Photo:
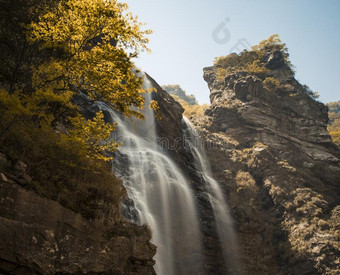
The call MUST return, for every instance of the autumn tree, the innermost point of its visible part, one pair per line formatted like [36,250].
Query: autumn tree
[93,43]
[51,51]
[74,46]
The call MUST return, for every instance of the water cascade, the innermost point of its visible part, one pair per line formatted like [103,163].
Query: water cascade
[222,215]
[160,193]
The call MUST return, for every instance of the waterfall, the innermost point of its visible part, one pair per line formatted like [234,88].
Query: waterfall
[222,215]
[160,193]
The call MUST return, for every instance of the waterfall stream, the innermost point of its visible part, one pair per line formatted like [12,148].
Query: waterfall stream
[223,218]
[160,193]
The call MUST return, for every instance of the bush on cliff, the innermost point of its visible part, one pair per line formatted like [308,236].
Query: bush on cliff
[334,121]
[191,110]
[252,61]
[179,92]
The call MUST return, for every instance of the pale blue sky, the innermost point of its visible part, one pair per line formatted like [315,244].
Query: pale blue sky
[182,42]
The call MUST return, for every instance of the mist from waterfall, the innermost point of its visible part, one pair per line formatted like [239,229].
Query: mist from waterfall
[160,193]
[220,207]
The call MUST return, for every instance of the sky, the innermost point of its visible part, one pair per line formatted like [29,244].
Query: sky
[189,34]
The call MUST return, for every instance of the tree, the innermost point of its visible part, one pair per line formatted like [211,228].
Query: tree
[92,43]
[16,54]
[67,47]
[52,50]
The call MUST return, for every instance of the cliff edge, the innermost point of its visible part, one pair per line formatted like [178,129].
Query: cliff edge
[267,140]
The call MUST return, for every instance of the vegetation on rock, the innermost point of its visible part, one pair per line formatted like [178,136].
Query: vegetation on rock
[188,102]
[252,61]
[269,148]
[263,61]
[191,110]
[178,91]
[334,121]
[53,51]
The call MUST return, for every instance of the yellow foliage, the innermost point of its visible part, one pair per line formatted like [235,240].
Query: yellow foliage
[191,110]
[154,105]
[231,60]
[93,136]
[62,49]
[250,61]
[256,67]
[335,137]
[223,72]
[11,105]
[89,39]
[271,83]
[334,130]
[273,42]
[87,47]
[334,121]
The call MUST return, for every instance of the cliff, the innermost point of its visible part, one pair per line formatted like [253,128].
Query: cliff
[267,141]
[41,236]
[270,150]
[170,130]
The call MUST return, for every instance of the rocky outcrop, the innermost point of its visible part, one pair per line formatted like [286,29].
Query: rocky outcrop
[168,123]
[271,152]
[40,236]
[178,91]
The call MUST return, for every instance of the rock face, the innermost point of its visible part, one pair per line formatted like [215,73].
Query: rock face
[178,91]
[271,152]
[272,156]
[170,130]
[40,236]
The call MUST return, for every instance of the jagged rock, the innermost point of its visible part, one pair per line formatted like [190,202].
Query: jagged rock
[4,162]
[271,154]
[169,125]
[283,171]
[273,60]
[3,177]
[170,131]
[178,91]
[20,168]
[39,236]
